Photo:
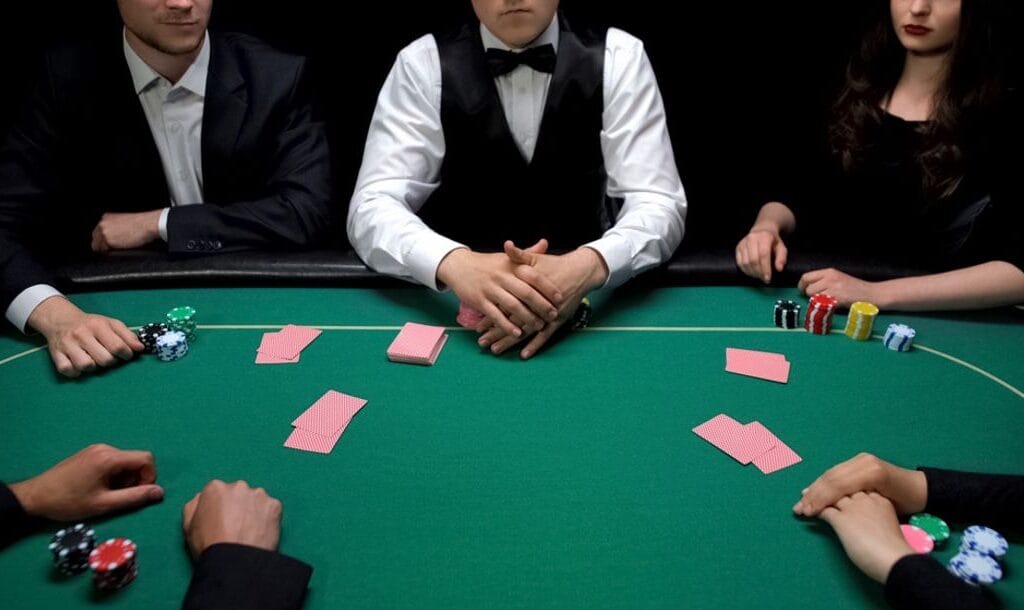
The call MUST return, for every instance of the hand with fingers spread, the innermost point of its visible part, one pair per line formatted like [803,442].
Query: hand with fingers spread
[126,231]
[488,283]
[845,288]
[574,275]
[233,513]
[80,342]
[869,530]
[97,480]
[906,489]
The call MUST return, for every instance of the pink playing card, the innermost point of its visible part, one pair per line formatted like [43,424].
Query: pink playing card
[310,441]
[468,317]
[730,436]
[762,365]
[288,342]
[262,358]
[778,457]
[417,344]
[760,439]
[329,414]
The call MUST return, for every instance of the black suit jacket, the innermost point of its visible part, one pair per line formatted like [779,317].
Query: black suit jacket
[225,575]
[84,147]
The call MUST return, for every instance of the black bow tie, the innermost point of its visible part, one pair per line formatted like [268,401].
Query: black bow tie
[541,59]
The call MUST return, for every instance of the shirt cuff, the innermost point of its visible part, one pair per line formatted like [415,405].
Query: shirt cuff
[425,256]
[26,302]
[162,227]
[617,255]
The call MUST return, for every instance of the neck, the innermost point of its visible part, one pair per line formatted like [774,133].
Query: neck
[171,67]
[923,76]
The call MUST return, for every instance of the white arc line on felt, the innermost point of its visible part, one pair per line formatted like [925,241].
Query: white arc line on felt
[664,329]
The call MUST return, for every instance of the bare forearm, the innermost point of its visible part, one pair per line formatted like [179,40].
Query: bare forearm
[775,216]
[991,284]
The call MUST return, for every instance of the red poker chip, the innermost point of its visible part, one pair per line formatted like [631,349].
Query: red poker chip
[112,555]
[824,300]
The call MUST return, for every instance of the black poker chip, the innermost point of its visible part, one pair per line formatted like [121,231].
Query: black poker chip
[149,333]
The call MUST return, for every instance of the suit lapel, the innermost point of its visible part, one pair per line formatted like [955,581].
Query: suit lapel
[224,110]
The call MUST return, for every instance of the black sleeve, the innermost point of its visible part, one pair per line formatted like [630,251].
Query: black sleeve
[994,500]
[14,523]
[918,581]
[1008,190]
[244,577]
[295,211]
[28,177]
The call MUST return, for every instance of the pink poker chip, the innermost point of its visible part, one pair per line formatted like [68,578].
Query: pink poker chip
[918,539]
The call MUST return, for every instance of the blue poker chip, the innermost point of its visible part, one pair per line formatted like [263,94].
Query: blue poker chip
[974,568]
[984,540]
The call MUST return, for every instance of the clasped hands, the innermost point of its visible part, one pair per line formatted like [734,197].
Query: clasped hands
[524,294]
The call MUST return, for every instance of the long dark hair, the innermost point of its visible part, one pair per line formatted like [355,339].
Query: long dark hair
[972,86]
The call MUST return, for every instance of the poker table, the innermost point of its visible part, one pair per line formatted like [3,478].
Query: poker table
[570,480]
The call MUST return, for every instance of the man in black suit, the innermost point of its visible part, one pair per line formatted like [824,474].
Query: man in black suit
[124,138]
[232,530]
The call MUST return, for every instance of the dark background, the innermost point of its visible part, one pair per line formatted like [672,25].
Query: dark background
[745,83]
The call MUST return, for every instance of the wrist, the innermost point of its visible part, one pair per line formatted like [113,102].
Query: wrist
[596,270]
[153,224]
[767,226]
[913,495]
[882,295]
[26,495]
[888,560]
[50,314]
[447,269]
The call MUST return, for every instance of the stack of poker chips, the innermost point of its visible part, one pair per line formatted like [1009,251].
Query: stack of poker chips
[71,547]
[171,346]
[977,563]
[183,319]
[114,564]
[786,314]
[934,526]
[819,314]
[899,337]
[149,333]
[861,320]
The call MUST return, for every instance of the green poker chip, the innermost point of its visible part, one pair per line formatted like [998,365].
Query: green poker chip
[935,527]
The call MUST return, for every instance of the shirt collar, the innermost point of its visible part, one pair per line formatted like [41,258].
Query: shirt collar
[194,79]
[549,36]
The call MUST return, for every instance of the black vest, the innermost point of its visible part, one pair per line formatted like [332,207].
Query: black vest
[489,192]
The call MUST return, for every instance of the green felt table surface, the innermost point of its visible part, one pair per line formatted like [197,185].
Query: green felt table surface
[570,480]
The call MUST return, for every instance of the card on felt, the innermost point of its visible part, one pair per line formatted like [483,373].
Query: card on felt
[778,457]
[762,365]
[265,353]
[730,436]
[417,344]
[288,342]
[262,358]
[329,414]
[305,440]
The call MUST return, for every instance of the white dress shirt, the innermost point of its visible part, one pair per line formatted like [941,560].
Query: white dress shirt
[405,148]
[175,116]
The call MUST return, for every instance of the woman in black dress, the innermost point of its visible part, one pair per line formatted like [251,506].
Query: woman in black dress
[923,143]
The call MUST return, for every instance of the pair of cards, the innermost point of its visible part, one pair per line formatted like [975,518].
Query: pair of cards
[320,426]
[763,365]
[748,443]
[284,346]
[417,344]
